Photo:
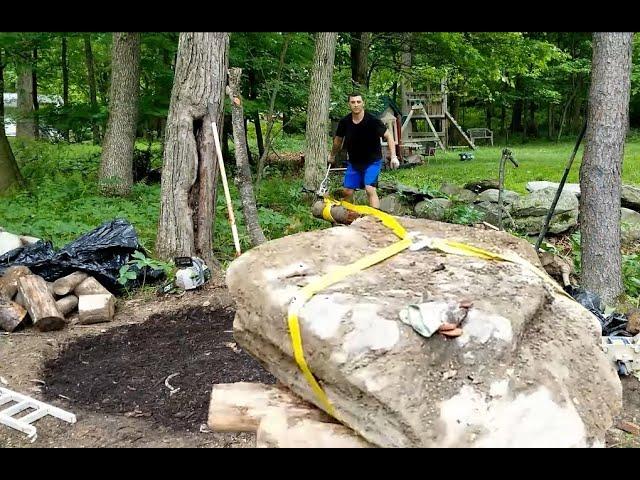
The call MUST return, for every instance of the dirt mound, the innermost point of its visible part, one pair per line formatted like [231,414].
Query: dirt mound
[124,370]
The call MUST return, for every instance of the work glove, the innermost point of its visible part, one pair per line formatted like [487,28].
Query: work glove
[330,160]
[395,163]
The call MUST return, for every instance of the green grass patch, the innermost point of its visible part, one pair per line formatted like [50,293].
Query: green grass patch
[537,161]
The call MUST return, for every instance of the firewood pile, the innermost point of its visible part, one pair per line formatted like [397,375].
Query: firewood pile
[28,299]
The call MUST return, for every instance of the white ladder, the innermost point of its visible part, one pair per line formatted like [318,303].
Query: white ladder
[23,402]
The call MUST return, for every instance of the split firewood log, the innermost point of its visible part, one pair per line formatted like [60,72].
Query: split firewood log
[67,304]
[90,286]
[11,315]
[239,407]
[96,308]
[9,281]
[40,303]
[64,285]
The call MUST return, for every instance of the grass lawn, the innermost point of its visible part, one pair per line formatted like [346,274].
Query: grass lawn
[538,161]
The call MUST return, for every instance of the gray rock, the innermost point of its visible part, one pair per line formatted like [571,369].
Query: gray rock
[492,212]
[458,193]
[478,186]
[431,209]
[539,202]
[630,197]
[560,222]
[393,204]
[491,195]
[520,364]
[568,187]
[629,226]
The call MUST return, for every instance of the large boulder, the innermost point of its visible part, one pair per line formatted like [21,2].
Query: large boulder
[527,371]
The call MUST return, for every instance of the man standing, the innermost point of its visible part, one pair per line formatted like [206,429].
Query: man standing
[361,133]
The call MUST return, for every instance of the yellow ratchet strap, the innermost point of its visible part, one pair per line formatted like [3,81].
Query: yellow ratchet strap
[446,246]
[334,277]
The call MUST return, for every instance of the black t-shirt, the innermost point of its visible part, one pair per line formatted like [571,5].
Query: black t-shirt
[362,140]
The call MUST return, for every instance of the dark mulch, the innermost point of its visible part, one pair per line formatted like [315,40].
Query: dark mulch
[124,370]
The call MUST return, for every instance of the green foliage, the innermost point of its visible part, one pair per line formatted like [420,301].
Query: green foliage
[61,201]
[141,262]
[631,274]
[463,214]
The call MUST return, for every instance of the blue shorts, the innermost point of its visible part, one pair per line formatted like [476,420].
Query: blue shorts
[355,178]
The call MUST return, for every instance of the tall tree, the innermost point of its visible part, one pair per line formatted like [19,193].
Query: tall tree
[189,171]
[9,172]
[601,164]
[64,60]
[244,180]
[91,79]
[116,165]
[26,126]
[360,42]
[318,109]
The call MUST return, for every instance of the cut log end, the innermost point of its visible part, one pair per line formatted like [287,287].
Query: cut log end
[48,324]
[11,315]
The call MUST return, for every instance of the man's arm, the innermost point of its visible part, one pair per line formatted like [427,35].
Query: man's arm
[337,145]
[395,163]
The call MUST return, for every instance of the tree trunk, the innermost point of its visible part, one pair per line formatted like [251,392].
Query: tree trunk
[9,172]
[258,127]
[34,92]
[405,69]
[116,164]
[253,94]
[576,119]
[564,115]
[516,116]
[601,164]
[244,180]
[25,123]
[91,77]
[533,127]
[187,208]
[318,109]
[550,121]
[245,122]
[270,115]
[65,80]
[227,131]
[488,115]
[360,42]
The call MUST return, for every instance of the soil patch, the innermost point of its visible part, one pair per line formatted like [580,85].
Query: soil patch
[126,369]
